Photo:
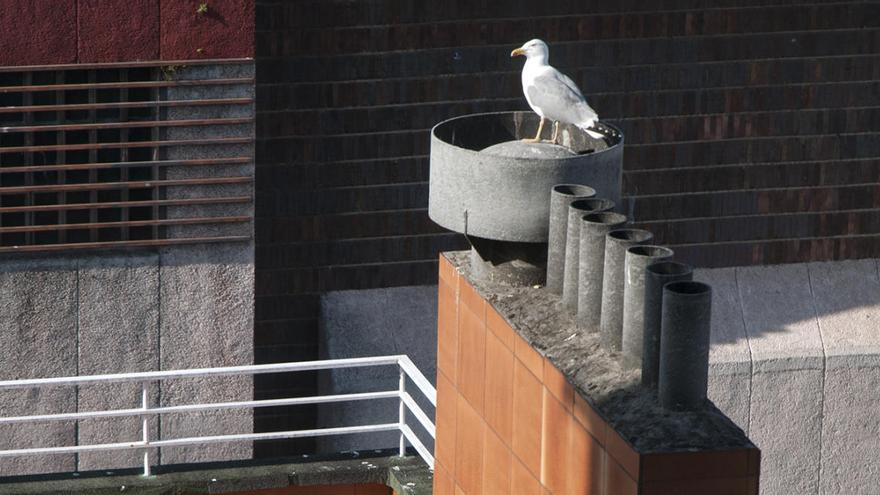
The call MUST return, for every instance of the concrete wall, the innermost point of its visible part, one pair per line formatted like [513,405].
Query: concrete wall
[124,312]
[375,322]
[795,362]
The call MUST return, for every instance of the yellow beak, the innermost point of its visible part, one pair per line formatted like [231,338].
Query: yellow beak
[517,52]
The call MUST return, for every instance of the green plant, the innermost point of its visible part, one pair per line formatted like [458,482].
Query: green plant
[203,8]
[168,71]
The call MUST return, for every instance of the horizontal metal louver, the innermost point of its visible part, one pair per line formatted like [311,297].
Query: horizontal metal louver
[117,155]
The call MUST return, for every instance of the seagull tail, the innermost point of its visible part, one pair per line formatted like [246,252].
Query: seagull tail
[593,128]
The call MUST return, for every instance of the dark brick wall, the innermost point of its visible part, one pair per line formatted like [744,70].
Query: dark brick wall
[752,130]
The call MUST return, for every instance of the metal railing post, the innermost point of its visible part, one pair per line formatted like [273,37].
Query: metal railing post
[402,413]
[145,419]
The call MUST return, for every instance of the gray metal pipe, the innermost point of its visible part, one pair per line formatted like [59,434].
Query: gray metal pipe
[637,259]
[591,265]
[576,211]
[611,317]
[561,195]
[656,276]
[684,345]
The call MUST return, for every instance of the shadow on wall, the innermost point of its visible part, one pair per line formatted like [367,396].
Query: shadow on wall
[377,322]
[795,360]
[786,309]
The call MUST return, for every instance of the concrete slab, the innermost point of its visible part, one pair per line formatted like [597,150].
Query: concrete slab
[38,340]
[847,296]
[850,439]
[118,332]
[406,475]
[375,322]
[785,423]
[780,318]
[206,319]
[730,364]
[729,341]
[731,393]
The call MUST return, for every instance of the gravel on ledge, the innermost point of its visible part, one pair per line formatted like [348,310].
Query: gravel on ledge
[615,393]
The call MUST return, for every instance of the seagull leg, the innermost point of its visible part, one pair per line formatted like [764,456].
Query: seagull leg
[537,138]
[555,131]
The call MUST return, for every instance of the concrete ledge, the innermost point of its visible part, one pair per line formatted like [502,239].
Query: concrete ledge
[795,361]
[407,475]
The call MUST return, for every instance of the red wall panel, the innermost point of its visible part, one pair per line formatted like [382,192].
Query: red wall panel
[45,32]
[35,32]
[225,30]
[115,31]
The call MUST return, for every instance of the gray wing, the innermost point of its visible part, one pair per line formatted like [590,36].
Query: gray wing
[560,99]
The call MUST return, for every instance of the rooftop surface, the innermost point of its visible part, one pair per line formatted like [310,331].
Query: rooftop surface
[407,476]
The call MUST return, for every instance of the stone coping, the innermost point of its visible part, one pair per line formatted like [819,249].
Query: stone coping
[537,316]
[407,476]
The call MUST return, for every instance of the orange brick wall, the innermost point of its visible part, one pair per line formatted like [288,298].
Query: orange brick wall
[508,422]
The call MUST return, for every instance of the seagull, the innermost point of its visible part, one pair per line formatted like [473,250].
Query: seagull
[552,94]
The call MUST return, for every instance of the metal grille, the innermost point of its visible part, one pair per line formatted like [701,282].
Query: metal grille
[83,157]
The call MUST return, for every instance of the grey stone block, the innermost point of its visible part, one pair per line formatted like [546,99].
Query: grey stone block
[730,390]
[847,297]
[206,320]
[785,423]
[850,439]
[780,317]
[118,332]
[730,365]
[375,322]
[38,340]
[729,341]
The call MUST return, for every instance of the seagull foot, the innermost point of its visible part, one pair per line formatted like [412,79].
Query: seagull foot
[532,140]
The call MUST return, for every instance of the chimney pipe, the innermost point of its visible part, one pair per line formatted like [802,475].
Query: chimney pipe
[576,211]
[611,317]
[561,196]
[684,345]
[656,276]
[637,259]
[591,261]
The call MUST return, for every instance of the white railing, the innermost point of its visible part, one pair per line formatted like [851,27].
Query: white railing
[405,365]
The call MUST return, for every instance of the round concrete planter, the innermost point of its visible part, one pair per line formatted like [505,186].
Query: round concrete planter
[591,261]
[505,198]
[637,259]
[611,317]
[576,211]
[561,198]
[656,276]
[684,345]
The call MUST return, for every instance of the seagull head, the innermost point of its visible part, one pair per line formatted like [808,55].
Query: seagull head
[532,50]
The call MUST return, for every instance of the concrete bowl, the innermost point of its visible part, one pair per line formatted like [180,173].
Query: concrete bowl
[503,193]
